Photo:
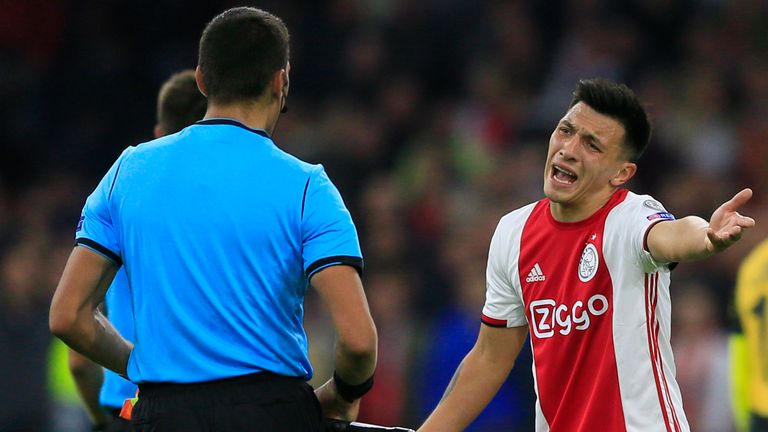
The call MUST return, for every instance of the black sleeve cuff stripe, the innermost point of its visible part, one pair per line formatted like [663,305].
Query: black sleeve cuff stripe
[108,253]
[352,261]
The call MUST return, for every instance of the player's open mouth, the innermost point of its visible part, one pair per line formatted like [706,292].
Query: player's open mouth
[563,176]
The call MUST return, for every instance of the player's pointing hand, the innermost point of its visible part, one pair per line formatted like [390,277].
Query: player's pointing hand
[726,225]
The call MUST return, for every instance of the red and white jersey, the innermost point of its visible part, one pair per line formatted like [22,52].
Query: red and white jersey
[599,310]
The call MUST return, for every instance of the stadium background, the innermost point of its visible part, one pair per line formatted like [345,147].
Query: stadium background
[432,117]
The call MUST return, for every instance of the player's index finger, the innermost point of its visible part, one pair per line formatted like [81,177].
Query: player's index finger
[739,199]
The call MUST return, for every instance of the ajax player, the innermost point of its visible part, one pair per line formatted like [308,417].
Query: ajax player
[586,271]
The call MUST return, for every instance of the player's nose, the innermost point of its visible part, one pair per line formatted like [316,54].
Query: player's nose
[568,148]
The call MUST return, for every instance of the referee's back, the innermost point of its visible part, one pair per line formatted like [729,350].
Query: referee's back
[217,229]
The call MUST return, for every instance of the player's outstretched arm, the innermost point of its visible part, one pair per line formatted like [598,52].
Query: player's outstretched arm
[692,238]
[356,345]
[477,379]
[75,317]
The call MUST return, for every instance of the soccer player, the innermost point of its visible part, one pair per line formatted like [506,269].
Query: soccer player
[179,104]
[749,346]
[587,270]
[220,232]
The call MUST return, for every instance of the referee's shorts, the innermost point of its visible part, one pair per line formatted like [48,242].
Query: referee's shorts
[259,402]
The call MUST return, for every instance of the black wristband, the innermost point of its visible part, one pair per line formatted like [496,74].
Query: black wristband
[350,392]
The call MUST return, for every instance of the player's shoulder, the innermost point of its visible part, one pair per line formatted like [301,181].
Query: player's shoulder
[647,200]
[639,204]
[516,218]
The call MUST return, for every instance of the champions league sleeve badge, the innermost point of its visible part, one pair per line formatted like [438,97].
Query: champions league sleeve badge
[661,213]
[653,205]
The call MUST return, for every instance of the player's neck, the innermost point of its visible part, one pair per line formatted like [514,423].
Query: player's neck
[254,115]
[579,210]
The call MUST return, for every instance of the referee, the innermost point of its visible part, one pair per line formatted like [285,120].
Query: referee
[219,233]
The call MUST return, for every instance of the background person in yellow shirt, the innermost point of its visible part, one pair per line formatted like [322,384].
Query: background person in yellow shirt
[749,344]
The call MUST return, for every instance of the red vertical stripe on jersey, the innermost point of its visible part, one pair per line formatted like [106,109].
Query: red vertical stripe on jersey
[652,348]
[658,355]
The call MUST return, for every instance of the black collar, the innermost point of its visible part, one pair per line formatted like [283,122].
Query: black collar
[226,121]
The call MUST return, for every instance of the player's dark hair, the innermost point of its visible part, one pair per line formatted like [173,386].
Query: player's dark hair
[240,51]
[180,103]
[620,103]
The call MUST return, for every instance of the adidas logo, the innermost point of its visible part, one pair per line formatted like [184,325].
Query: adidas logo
[536,275]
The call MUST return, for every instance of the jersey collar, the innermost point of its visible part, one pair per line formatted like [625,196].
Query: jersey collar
[231,122]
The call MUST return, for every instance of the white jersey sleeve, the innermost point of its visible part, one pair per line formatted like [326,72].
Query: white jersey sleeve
[504,305]
[636,215]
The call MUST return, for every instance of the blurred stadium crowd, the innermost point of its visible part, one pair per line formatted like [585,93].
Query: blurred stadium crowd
[432,117]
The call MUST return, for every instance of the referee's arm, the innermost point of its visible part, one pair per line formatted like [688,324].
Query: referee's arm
[75,317]
[342,291]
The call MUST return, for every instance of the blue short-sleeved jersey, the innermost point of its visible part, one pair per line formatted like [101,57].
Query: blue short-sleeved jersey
[117,389]
[218,231]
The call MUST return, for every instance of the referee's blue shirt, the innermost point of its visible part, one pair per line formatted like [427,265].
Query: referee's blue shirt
[218,231]
[116,389]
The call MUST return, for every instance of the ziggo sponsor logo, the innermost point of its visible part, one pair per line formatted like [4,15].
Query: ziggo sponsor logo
[547,316]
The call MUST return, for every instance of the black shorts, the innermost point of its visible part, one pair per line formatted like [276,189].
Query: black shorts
[117,424]
[260,402]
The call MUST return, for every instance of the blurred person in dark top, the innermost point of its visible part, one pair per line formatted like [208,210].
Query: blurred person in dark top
[25,403]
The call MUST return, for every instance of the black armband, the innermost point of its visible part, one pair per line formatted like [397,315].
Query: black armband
[350,392]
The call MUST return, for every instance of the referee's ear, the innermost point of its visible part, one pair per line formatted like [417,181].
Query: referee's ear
[200,82]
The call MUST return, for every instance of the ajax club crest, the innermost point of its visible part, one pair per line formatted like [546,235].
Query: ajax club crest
[588,263]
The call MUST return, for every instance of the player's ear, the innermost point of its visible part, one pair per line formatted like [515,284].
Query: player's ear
[200,82]
[158,131]
[626,172]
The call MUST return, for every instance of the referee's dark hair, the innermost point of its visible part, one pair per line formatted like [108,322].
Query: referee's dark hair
[179,103]
[620,103]
[240,51]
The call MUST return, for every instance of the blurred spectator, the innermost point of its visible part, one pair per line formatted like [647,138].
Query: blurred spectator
[701,356]
[388,295]
[747,344]
[449,338]
[24,339]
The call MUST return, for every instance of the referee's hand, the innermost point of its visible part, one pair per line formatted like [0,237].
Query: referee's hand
[333,405]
